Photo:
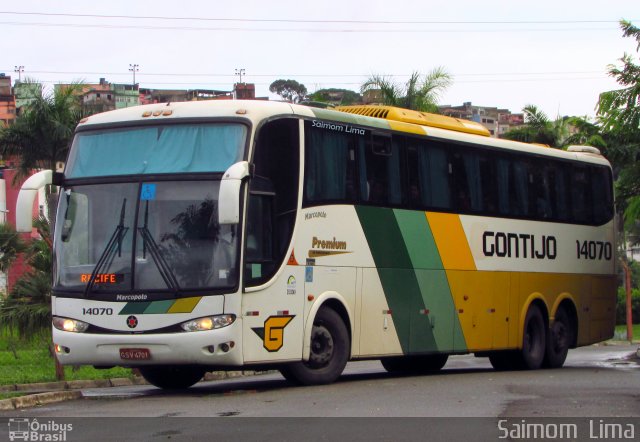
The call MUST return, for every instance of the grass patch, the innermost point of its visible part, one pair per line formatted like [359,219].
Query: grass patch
[621,332]
[11,395]
[26,362]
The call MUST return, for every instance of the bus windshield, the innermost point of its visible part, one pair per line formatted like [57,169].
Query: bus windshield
[143,236]
[179,148]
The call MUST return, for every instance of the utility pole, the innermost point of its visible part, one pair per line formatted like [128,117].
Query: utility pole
[19,70]
[134,68]
[240,73]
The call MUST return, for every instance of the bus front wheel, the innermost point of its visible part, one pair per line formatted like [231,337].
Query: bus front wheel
[172,377]
[330,350]
[534,341]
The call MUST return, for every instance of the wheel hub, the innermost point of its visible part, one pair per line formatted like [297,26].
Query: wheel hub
[321,346]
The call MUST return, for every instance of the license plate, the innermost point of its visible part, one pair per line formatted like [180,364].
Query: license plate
[135,354]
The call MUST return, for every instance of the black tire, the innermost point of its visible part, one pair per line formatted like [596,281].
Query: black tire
[330,351]
[172,377]
[286,373]
[415,364]
[559,338]
[534,340]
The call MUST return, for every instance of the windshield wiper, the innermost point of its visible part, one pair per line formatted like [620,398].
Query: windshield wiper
[163,268]
[109,251]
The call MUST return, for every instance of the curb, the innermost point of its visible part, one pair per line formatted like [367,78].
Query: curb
[33,400]
[51,392]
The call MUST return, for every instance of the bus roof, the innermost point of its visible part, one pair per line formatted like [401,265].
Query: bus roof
[373,117]
[415,117]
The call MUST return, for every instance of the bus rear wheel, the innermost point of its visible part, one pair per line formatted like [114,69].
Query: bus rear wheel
[415,364]
[534,339]
[172,377]
[559,339]
[330,350]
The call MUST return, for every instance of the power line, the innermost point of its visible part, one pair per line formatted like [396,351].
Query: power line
[307,30]
[152,84]
[312,75]
[254,20]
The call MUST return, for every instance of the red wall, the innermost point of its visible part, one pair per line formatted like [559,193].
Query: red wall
[19,267]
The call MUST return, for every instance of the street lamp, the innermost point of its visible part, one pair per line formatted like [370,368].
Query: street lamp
[134,68]
[19,70]
[240,73]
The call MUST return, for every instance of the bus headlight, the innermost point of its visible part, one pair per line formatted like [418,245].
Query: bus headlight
[208,323]
[70,325]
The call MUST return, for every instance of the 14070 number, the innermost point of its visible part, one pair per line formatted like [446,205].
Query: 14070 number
[96,311]
[594,250]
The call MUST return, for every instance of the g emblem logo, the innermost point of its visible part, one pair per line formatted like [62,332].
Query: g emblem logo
[272,333]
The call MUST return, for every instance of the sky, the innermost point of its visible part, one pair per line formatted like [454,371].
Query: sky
[506,54]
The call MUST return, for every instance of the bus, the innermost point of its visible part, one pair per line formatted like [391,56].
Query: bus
[213,235]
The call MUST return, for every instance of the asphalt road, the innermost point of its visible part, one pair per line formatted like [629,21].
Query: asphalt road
[600,382]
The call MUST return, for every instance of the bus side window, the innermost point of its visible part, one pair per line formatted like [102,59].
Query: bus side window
[602,194]
[541,190]
[380,171]
[329,166]
[580,190]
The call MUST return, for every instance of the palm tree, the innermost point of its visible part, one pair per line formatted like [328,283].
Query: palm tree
[539,128]
[417,94]
[27,309]
[41,134]
[11,245]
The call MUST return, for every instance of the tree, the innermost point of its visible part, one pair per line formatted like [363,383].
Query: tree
[417,94]
[346,96]
[40,136]
[619,109]
[539,128]
[11,245]
[27,308]
[26,311]
[289,90]
[619,114]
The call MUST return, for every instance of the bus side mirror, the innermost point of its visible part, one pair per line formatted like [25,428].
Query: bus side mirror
[229,195]
[26,197]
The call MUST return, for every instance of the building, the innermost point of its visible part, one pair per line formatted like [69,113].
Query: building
[24,94]
[105,96]
[7,101]
[497,121]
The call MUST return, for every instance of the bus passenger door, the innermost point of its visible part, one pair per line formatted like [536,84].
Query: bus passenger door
[273,319]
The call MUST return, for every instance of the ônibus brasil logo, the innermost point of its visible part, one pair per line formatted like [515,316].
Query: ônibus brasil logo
[31,430]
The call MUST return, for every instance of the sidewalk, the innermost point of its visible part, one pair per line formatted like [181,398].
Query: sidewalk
[50,392]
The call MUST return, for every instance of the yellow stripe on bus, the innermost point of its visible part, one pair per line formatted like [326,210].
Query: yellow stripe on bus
[451,241]
[185,305]
[406,127]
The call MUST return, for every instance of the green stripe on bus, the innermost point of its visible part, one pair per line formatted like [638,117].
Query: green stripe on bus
[398,278]
[432,280]
[413,279]
[159,307]
[134,308]
[418,239]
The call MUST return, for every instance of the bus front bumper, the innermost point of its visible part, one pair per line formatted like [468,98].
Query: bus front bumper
[220,347]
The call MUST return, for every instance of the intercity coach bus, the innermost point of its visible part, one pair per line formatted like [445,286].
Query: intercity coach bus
[221,234]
